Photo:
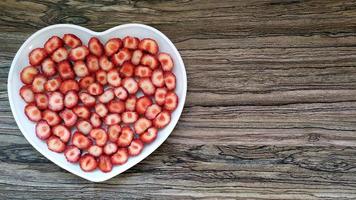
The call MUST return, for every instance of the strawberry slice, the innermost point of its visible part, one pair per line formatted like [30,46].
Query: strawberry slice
[81,141]
[88,163]
[125,137]
[71,99]
[99,135]
[105,64]
[130,103]
[107,96]
[78,53]
[135,147]
[56,101]
[148,45]
[27,94]
[87,99]
[114,132]
[95,150]
[121,93]
[146,86]
[149,136]
[43,130]
[112,119]
[120,57]
[116,106]
[33,113]
[69,117]
[170,80]
[112,46]
[166,61]
[38,83]
[114,78]
[120,157]
[84,126]
[53,84]
[95,120]
[86,81]
[127,69]
[65,70]
[149,61]
[105,164]
[152,111]
[41,101]
[62,132]
[28,74]
[157,78]
[52,44]
[36,56]
[72,154]
[130,85]
[160,96]
[55,144]
[51,117]
[82,112]
[141,125]
[80,69]
[101,109]
[48,67]
[171,102]
[59,55]
[129,117]
[71,40]
[142,104]
[95,89]
[143,71]
[95,47]
[136,57]
[130,42]
[162,119]
[92,63]
[69,85]
[110,148]
[101,77]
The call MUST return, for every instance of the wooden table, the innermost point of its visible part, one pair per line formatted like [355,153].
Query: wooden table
[270,110]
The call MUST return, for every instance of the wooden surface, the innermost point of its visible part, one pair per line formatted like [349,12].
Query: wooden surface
[270,110]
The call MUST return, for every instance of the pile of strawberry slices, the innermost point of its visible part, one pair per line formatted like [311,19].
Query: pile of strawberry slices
[87,100]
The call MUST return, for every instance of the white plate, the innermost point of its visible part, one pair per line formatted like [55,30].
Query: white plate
[39,38]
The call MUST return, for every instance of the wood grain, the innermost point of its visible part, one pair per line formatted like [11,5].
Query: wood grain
[270,110]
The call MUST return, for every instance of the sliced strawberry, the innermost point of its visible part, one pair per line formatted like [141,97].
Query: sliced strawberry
[135,147]
[38,83]
[170,80]
[114,78]
[105,164]
[116,106]
[121,93]
[105,64]
[51,117]
[136,57]
[78,53]
[127,69]
[33,113]
[69,85]
[110,148]
[142,104]
[171,102]
[157,78]
[80,68]
[120,57]
[125,137]
[36,56]
[28,74]
[149,61]
[95,120]
[69,117]
[166,61]
[41,101]
[52,44]
[82,112]
[149,136]
[86,81]
[160,96]
[112,119]
[55,144]
[62,132]
[149,45]
[84,127]
[120,157]
[92,63]
[48,67]
[43,130]
[114,132]
[101,110]
[141,125]
[65,70]
[129,117]
[27,94]
[81,141]
[95,150]
[130,85]
[130,103]
[130,42]
[162,119]
[112,46]
[95,89]
[87,99]
[71,99]
[152,111]
[71,40]
[53,84]
[143,71]
[59,55]
[99,135]
[95,47]
[88,163]
[56,101]
[107,96]
[72,154]
[101,77]
[146,86]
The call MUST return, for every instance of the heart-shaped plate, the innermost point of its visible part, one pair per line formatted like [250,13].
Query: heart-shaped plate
[39,38]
